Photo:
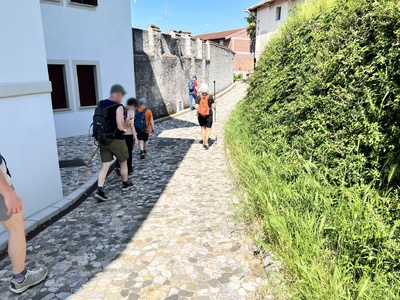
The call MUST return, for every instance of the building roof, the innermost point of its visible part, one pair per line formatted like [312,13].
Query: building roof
[218,35]
[258,5]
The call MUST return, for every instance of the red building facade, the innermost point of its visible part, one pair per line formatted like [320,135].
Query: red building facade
[238,41]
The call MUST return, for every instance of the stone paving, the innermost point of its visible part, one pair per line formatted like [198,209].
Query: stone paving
[172,237]
[77,147]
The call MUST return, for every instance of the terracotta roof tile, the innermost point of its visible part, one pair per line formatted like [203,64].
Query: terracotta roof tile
[217,35]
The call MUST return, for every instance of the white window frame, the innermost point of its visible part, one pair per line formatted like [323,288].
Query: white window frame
[67,82]
[278,17]
[81,5]
[98,85]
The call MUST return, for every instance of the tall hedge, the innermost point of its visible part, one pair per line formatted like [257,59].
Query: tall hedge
[317,146]
[331,87]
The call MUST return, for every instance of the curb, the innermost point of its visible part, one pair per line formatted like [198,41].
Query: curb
[42,219]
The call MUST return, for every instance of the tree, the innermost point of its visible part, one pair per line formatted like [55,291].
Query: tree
[252,28]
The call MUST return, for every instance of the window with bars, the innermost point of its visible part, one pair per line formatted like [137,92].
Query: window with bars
[87,85]
[59,97]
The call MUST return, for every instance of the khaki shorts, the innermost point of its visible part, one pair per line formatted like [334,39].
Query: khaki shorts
[116,148]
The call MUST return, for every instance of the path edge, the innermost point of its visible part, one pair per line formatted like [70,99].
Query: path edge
[44,218]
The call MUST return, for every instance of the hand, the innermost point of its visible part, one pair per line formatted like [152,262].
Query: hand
[130,123]
[214,105]
[153,130]
[135,143]
[196,106]
[13,203]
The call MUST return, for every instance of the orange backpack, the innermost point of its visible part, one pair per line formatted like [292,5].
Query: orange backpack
[204,109]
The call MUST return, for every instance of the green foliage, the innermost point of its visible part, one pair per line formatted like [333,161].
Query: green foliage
[238,77]
[316,146]
[251,19]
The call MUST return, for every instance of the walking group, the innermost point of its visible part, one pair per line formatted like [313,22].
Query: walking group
[118,130]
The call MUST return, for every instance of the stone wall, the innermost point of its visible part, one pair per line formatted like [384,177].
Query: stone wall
[165,62]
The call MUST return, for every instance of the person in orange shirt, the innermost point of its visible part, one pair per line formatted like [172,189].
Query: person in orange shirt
[144,124]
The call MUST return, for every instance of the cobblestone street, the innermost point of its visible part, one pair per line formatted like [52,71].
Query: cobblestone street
[172,237]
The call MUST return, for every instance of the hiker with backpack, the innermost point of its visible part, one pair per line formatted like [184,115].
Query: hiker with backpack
[109,127]
[204,105]
[130,135]
[11,218]
[192,85]
[144,124]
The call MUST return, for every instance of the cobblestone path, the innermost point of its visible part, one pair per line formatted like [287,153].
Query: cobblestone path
[172,237]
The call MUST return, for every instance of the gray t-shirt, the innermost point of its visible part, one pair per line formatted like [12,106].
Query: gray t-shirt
[4,171]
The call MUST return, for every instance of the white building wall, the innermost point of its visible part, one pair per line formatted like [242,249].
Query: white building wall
[267,25]
[80,34]
[27,135]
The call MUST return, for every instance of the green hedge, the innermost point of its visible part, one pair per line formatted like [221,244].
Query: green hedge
[317,143]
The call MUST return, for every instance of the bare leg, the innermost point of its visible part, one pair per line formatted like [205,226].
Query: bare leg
[141,145]
[146,145]
[208,134]
[124,170]
[204,135]
[16,242]
[103,174]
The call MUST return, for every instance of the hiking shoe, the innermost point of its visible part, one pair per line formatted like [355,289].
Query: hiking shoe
[32,277]
[101,196]
[126,186]
[118,171]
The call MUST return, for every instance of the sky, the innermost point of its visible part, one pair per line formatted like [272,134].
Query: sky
[196,16]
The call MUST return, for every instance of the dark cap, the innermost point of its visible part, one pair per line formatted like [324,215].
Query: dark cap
[117,88]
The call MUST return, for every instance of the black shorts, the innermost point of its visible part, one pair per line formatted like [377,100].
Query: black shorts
[206,121]
[143,137]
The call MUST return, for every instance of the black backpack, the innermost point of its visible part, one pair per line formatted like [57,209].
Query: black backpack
[102,129]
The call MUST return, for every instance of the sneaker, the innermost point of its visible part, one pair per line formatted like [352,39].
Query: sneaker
[118,171]
[126,186]
[145,151]
[101,196]
[32,277]
[142,156]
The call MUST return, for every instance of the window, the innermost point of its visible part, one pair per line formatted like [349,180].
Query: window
[278,13]
[86,2]
[59,93]
[87,84]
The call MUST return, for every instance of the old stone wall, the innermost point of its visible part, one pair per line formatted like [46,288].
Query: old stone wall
[164,63]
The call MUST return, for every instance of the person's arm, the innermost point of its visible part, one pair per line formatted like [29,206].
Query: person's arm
[135,142]
[13,202]
[121,123]
[213,102]
[153,128]
[196,106]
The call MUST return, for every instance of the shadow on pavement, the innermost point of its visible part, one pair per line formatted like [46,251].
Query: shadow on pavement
[92,236]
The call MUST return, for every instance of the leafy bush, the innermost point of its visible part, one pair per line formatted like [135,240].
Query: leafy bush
[238,77]
[316,146]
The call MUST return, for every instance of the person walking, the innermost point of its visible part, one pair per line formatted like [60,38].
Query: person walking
[204,105]
[193,85]
[130,135]
[11,218]
[144,124]
[116,126]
